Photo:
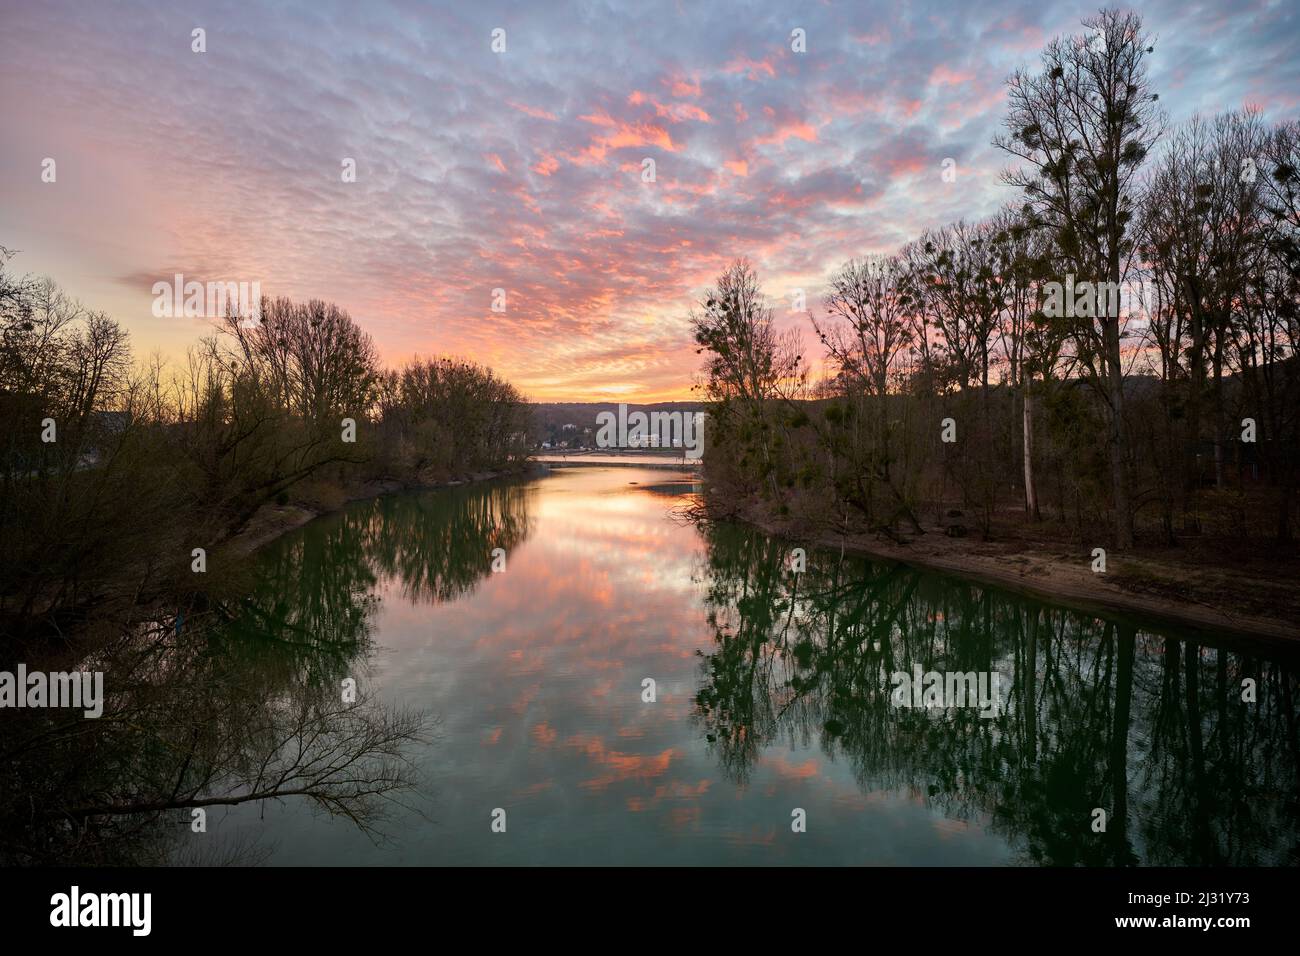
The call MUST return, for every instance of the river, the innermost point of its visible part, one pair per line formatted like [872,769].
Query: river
[773,735]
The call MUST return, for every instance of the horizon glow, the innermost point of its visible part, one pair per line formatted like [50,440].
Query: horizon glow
[522,170]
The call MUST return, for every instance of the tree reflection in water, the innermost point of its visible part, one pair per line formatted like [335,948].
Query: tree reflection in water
[244,703]
[1098,713]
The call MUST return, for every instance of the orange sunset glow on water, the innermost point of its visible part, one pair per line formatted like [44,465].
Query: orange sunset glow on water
[535,676]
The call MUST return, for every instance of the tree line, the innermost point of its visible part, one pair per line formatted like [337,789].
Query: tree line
[113,470]
[1114,348]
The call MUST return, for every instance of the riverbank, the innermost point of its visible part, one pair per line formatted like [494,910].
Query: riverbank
[272,521]
[1257,598]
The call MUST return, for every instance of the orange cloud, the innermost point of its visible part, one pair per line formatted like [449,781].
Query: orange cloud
[533,111]
[682,86]
[599,119]
[621,136]
[679,112]
[942,75]
[753,69]
[792,129]
[784,768]
[546,165]
[621,766]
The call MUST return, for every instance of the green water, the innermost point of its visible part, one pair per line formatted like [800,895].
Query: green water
[773,695]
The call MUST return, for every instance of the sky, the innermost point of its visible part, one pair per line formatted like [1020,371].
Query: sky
[523,169]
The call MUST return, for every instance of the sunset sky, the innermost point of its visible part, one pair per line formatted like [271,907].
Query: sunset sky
[522,170]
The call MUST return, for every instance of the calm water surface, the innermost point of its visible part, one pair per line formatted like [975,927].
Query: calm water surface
[773,693]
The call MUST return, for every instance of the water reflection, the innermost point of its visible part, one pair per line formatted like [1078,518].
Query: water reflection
[194,723]
[245,704]
[440,546]
[1152,729]
[773,693]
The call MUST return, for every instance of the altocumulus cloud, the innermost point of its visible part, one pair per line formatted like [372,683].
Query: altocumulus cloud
[522,170]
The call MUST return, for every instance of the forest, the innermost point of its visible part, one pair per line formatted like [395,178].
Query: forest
[124,479]
[963,388]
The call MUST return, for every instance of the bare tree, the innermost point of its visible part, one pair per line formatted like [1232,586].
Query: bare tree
[750,364]
[1201,232]
[1083,127]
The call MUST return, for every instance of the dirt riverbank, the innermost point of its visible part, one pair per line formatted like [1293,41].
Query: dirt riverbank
[1257,596]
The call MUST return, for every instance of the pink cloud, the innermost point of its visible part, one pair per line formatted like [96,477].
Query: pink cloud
[533,111]
[753,69]
[546,165]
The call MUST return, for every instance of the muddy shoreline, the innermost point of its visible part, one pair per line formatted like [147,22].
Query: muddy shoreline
[1060,578]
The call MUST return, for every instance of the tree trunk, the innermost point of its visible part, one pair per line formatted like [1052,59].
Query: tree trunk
[1218,416]
[1031,493]
[1196,389]
[1118,437]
